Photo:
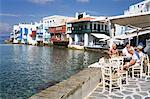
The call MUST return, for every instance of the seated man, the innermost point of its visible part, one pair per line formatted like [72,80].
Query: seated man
[125,50]
[135,59]
[140,51]
[126,53]
[113,51]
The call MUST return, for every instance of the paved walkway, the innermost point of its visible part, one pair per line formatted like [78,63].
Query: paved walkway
[136,89]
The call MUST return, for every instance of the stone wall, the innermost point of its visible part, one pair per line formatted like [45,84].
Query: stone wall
[78,86]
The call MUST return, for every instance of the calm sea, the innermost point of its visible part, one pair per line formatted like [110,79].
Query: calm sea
[2,38]
[26,70]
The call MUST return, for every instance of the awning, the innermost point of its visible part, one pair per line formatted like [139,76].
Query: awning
[131,35]
[104,39]
[101,36]
[138,20]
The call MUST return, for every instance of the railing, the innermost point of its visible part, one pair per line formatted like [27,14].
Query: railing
[90,31]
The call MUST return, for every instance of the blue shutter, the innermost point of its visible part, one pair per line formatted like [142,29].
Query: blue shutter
[26,31]
[21,34]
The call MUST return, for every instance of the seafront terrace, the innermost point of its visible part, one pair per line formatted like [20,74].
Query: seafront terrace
[137,88]
[87,84]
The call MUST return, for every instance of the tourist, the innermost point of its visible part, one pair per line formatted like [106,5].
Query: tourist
[125,50]
[135,59]
[140,51]
[126,53]
[113,52]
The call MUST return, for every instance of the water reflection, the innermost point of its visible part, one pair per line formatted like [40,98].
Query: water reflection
[25,70]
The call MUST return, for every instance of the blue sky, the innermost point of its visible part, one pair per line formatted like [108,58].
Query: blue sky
[24,11]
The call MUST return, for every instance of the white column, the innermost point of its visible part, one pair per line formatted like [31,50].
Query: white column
[76,39]
[86,39]
[112,33]
[70,38]
[91,41]
[137,39]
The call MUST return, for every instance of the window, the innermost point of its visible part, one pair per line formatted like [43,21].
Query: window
[91,26]
[102,26]
[106,27]
[94,26]
[69,28]
[80,16]
[98,27]
[85,27]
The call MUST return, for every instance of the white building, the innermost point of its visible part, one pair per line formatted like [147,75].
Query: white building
[16,34]
[87,31]
[134,19]
[138,8]
[24,33]
[39,32]
[52,21]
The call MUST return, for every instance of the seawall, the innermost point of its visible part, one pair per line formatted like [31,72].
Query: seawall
[78,86]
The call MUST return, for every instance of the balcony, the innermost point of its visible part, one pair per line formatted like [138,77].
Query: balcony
[81,31]
[90,31]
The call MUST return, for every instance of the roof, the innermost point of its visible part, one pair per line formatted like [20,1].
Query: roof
[82,19]
[141,20]
[55,16]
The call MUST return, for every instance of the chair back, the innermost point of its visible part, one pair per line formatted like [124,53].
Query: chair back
[118,61]
[146,61]
[107,72]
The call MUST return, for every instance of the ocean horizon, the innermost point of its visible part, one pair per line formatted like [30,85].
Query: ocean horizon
[3,38]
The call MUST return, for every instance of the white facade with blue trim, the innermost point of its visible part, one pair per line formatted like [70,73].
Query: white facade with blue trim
[22,33]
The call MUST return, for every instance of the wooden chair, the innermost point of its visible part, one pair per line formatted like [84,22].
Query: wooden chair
[138,69]
[110,78]
[120,62]
[147,65]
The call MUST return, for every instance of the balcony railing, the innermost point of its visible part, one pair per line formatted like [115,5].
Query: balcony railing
[90,31]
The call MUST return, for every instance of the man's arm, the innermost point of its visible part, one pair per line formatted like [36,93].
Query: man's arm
[132,62]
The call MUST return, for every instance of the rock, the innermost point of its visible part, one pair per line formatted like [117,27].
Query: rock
[131,86]
[137,97]
[115,97]
[143,93]
[119,94]
[126,92]
[137,89]
[101,96]
[128,97]
[99,90]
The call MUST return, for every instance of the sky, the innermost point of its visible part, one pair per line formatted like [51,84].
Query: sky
[26,11]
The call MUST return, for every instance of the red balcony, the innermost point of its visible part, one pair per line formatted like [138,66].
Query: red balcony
[33,35]
[59,29]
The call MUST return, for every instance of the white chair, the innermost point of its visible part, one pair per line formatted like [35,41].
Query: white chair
[120,62]
[110,79]
[147,65]
[137,69]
